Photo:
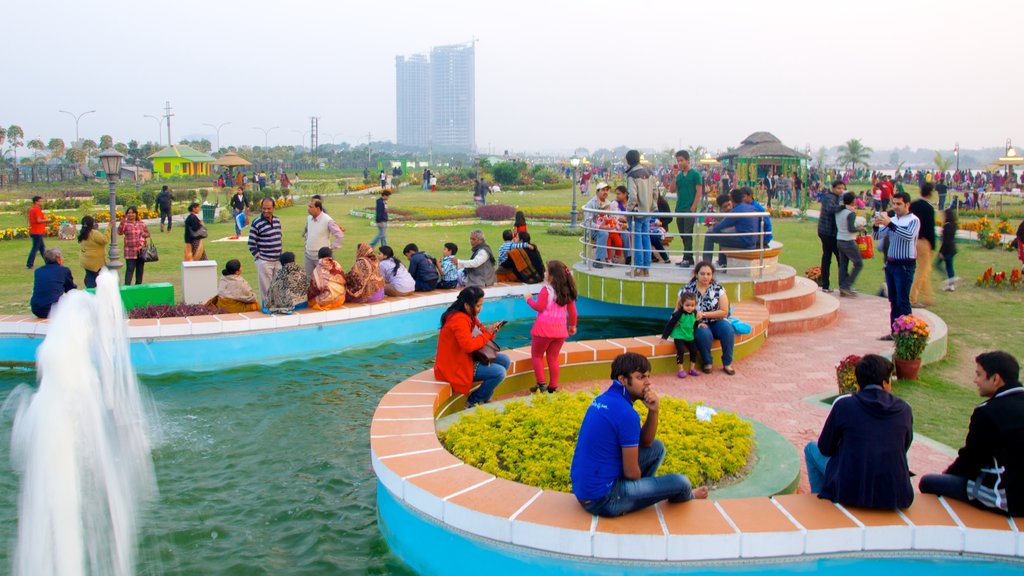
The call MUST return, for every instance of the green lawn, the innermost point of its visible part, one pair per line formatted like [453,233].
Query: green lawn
[979,319]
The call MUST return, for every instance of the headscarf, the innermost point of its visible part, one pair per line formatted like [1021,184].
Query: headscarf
[327,285]
[364,280]
[288,287]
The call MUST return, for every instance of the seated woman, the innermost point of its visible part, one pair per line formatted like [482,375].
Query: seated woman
[525,263]
[461,335]
[363,283]
[289,287]
[327,285]
[713,303]
[399,281]
[233,293]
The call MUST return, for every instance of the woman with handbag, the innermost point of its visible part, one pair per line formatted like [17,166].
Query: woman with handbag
[466,351]
[135,235]
[195,232]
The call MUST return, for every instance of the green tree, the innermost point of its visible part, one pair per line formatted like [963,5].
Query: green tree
[106,141]
[507,173]
[820,158]
[943,163]
[854,153]
[74,156]
[56,147]
[3,135]
[15,138]
[37,146]
[90,148]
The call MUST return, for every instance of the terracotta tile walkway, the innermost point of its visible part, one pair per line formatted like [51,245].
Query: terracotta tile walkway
[771,385]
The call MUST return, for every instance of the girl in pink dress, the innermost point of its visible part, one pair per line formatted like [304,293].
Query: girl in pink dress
[556,320]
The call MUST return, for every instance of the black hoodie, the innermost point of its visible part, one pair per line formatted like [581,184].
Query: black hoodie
[867,436]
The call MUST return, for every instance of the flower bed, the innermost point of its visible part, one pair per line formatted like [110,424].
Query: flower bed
[991,279]
[176,311]
[533,442]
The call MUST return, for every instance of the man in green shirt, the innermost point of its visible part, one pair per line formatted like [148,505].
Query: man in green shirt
[689,188]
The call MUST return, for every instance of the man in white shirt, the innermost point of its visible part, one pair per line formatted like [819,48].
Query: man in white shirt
[321,230]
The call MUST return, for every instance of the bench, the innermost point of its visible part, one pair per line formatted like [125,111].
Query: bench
[751,258]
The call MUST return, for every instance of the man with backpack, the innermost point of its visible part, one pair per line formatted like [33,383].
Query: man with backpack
[422,268]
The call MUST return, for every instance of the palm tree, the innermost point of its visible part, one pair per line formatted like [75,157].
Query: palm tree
[941,162]
[854,153]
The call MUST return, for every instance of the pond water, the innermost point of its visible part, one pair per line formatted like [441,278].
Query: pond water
[266,469]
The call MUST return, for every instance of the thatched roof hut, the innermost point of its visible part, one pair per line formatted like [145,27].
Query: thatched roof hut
[761,153]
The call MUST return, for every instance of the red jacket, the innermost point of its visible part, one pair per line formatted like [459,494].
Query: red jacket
[455,345]
[36,220]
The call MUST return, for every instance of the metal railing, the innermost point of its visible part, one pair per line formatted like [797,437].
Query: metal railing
[600,250]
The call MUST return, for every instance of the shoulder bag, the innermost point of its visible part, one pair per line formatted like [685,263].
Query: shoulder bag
[149,252]
[487,353]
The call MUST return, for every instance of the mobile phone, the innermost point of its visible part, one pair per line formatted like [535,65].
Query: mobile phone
[501,323]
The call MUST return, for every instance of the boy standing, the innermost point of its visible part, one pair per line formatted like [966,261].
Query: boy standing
[846,241]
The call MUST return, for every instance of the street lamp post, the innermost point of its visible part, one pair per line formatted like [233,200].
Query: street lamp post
[956,154]
[77,117]
[217,128]
[575,162]
[110,159]
[159,128]
[266,134]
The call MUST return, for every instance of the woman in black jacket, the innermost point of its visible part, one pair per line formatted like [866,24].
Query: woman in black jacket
[194,234]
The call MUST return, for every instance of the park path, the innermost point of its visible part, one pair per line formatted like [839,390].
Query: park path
[772,384]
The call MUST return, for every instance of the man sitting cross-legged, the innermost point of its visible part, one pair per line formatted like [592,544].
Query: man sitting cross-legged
[615,460]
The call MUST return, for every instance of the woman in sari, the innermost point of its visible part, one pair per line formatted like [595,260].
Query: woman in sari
[289,288]
[327,284]
[233,293]
[525,263]
[364,282]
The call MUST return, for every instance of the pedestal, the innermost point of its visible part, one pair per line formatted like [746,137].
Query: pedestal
[198,281]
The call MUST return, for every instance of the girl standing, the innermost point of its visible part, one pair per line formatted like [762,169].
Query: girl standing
[93,250]
[556,320]
[519,225]
[947,250]
[135,235]
[680,328]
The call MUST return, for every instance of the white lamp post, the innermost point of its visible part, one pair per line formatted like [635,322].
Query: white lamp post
[575,162]
[110,159]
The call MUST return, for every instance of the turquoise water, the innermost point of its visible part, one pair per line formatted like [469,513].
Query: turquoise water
[266,469]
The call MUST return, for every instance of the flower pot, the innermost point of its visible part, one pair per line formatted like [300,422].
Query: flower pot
[907,369]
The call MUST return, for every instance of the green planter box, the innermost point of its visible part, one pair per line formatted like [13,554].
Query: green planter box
[142,295]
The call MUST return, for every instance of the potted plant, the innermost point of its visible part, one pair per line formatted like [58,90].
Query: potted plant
[910,334]
[845,374]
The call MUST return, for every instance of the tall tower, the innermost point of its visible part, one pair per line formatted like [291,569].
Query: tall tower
[413,100]
[453,97]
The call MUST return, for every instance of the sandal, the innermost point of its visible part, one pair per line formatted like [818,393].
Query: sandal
[729,370]
[707,369]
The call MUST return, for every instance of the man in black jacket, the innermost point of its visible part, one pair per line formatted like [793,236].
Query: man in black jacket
[422,268]
[989,470]
[860,458]
[827,231]
[921,290]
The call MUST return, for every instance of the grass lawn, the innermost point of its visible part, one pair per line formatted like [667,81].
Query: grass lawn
[979,318]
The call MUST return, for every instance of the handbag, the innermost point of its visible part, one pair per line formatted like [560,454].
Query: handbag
[202,232]
[866,245]
[739,326]
[487,353]
[149,252]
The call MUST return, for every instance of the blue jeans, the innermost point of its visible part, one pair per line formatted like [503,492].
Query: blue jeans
[382,235]
[491,375]
[37,245]
[630,495]
[720,330]
[948,259]
[422,286]
[947,485]
[898,279]
[816,463]
[600,238]
[710,240]
[640,231]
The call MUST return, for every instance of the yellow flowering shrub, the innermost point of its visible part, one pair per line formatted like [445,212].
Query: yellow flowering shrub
[533,443]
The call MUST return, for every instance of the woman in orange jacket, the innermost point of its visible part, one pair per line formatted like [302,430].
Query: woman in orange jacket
[461,335]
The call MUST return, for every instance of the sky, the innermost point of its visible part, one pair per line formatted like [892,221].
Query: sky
[551,75]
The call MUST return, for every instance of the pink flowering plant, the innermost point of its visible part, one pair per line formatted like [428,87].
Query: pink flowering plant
[910,334]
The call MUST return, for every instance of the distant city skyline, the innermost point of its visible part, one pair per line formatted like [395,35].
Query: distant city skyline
[436,99]
[549,76]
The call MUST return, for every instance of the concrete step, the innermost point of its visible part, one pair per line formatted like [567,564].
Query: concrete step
[800,296]
[783,279]
[824,311]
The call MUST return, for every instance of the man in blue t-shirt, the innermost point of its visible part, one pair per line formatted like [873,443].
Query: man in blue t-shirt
[743,230]
[615,460]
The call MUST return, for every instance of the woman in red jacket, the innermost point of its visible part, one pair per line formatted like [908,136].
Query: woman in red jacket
[461,335]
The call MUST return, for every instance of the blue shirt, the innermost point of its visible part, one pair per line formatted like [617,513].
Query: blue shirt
[610,424]
[767,222]
[741,225]
[51,282]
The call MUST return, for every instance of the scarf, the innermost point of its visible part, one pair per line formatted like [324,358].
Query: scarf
[234,287]
[287,288]
[328,282]
[364,280]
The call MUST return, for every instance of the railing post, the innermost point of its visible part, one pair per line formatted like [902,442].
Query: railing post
[764,246]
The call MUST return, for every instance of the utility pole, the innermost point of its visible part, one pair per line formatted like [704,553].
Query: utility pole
[314,135]
[369,148]
[167,115]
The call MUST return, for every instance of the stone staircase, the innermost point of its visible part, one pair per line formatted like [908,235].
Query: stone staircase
[795,303]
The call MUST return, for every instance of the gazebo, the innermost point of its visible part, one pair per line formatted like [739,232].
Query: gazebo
[231,160]
[759,153]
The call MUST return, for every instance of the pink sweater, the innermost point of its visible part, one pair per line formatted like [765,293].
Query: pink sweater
[551,318]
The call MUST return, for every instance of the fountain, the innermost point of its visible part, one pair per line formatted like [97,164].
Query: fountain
[81,444]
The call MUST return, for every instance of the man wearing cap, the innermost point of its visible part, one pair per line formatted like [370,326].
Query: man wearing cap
[594,234]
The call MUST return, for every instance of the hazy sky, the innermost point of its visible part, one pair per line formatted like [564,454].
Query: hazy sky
[550,75]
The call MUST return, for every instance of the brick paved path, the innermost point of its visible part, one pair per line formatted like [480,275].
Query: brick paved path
[771,385]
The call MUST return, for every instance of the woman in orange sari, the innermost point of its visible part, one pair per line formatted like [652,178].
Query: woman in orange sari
[327,283]
[364,282]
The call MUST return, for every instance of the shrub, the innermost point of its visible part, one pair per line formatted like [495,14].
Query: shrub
[176,311]
[508,172]
[565,231]
[496,212]
[148,198]
[533,443]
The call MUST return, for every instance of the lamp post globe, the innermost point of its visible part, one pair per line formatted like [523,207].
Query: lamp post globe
[574,162]
[110,159]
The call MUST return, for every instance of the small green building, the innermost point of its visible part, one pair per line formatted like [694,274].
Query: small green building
[181,160]
[761,153]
